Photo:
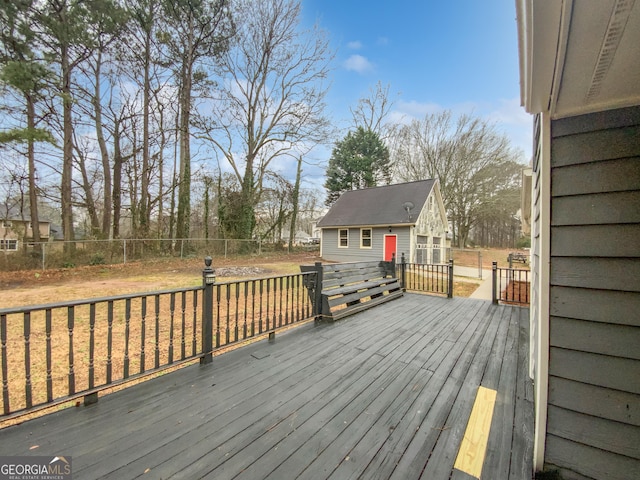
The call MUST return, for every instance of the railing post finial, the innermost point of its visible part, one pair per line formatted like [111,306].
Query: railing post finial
[494,282]
[208,280]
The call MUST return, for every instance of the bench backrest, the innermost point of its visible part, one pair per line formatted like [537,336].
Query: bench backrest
[340,274]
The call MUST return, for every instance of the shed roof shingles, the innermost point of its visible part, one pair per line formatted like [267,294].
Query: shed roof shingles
[379,205]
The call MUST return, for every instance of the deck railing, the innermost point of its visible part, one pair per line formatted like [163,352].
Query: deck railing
[428,278]
[511,285]
[54,353]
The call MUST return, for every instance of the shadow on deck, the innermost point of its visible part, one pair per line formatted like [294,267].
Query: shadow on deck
[386,393]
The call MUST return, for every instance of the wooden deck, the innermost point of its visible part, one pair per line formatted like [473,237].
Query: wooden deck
[386,393]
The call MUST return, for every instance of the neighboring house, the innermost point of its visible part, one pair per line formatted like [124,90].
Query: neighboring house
[580,76]
[299,238]
[375,223]
[13,231]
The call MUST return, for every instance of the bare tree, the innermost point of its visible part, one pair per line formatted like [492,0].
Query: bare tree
[469,157]
[197,29]
[271,98]
[371,111]
[146,15]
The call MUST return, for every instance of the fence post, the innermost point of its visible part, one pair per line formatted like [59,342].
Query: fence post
[480,265]
[450,289]
[494,283]
[208,280]
[124,251]
[317,303]
[403,272]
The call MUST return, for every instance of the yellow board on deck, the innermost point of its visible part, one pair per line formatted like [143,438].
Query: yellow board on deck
[474,444]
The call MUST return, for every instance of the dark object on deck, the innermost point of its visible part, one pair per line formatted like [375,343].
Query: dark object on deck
[348,288]
[548,475]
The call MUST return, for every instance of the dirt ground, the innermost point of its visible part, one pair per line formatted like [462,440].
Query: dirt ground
[35,287]
[31,287]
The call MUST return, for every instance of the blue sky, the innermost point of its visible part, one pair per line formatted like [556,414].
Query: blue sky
[434,54]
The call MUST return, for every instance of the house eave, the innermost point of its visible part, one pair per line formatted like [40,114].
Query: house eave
[578,58]
[539,30]
[378,225]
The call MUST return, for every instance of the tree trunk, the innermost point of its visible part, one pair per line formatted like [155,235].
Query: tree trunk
[104,153]
[163,143]
[184,182]
[133,177]
[88,194]
[172,206]
[67,156]
[246,222]
[33,193]
[294,199]
[208,181]
[117,179]
[144,210]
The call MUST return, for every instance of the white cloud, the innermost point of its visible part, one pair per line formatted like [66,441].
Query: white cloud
[509,111]
[355,45]
[510,118]
[359,64]
[417,109]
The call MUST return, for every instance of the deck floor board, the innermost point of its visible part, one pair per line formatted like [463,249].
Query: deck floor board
[382,394]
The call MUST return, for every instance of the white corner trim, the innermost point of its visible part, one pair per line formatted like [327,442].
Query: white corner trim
[541,382]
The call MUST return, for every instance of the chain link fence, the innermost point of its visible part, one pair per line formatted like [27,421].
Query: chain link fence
[51,255]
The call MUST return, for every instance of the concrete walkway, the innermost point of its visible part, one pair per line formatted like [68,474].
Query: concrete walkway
[484,290]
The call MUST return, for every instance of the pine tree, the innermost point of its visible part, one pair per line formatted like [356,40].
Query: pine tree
[358,161]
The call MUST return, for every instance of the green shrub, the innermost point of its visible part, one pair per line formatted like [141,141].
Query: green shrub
[524,242]
[97,259]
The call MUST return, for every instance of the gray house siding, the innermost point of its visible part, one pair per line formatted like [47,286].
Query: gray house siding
[331,251]
[593,424]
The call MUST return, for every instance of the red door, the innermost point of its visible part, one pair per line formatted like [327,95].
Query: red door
[390,243]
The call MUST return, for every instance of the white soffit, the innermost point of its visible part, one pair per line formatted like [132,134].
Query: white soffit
[579,56]
[601,67]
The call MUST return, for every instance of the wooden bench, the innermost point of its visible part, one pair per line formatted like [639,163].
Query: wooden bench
[348,288]
[518,257]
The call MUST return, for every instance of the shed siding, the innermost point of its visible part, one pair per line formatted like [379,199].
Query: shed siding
[593,425]
[354,253]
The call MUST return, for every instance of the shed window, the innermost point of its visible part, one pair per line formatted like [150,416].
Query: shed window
[8,244]
[365,238]
[343,238]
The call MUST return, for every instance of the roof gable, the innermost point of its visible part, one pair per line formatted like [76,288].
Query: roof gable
[384,205]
